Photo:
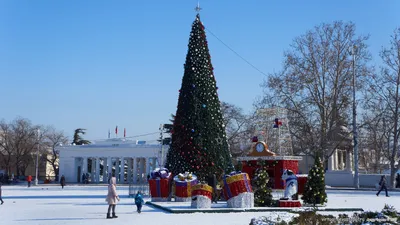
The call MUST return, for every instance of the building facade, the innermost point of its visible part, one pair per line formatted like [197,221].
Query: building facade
[129,161]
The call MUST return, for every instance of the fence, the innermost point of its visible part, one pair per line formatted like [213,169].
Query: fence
[143,188]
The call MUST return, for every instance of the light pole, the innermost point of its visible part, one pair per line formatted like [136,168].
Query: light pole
[162,143]
[37,159]
[355,134]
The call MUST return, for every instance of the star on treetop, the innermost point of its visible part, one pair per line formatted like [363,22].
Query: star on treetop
[197,9]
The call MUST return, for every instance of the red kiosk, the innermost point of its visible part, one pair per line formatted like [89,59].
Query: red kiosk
[275,164]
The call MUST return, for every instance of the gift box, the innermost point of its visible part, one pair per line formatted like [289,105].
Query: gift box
[159,183]
[159,188]
[203,190]
[184,184]
[235,184]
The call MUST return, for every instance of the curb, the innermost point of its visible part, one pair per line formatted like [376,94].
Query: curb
[227,210]
[361,189]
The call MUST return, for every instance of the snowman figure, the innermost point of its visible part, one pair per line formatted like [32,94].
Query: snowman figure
[291,184]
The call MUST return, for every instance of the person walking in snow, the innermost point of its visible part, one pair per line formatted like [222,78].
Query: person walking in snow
[1,199]
[62,181]
[382,184]
[29,179]
[112,198]
[139,202]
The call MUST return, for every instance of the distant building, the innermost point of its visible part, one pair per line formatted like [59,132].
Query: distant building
[129,161]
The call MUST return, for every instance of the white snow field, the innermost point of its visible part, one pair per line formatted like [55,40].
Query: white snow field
[50,205]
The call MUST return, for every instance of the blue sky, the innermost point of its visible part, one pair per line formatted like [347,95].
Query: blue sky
[97,64]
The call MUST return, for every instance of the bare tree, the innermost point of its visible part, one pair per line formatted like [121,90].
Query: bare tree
[25,141]
[375,131]
[52,139]
[19,138]
[314,83]
[238,128]
[6,145]
[385,89]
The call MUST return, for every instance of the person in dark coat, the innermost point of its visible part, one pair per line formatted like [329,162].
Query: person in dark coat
[398,181]
[83,178]
[139,202]
[1,199]
[212,181]
[62,181]
[382,184]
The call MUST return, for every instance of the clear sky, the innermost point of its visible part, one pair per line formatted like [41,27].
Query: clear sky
[97,64]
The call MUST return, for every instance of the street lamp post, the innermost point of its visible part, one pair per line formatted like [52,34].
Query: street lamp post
[355,133]
[37,159]
[161,161]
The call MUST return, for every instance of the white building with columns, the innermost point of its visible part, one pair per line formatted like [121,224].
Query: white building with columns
[129,161]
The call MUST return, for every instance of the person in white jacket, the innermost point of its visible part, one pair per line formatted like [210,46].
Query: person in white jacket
[112,198]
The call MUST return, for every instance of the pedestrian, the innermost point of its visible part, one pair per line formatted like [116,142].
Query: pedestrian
[398,181]
[62,181]
[29,179]
[212,181]
[83,178]
[1,199]
[112,198]
[139,202]
[382,184]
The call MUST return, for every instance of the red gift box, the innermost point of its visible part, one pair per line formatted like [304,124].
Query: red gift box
[301,182]
[159,188]
[183,189]
[202,189]
[236,184]
[289,203]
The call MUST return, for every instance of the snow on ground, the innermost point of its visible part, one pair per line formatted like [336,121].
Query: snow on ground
[50,205]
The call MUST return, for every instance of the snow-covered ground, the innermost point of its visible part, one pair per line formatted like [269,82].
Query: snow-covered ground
[49,205]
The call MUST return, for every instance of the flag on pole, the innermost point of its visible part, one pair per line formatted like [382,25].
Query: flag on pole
[124,132]
[109,133]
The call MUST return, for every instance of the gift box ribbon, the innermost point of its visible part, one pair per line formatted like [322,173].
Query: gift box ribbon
[158,185]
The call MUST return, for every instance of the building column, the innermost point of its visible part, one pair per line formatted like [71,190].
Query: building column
[84,167]
[129,177]
[104,160]
[154,164]
[93,168]
[97,170]
[109,168]
[147,168]
[122,171]
[341,160]
[135,163]
[117,169]
[330,163]
[61,169]
[349,165]
[141,169]
[335,157]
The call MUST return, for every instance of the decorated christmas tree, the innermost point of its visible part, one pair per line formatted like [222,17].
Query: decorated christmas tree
[199,142]
[262,194]
[314,191]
